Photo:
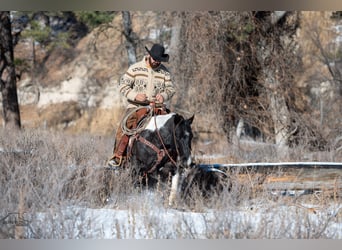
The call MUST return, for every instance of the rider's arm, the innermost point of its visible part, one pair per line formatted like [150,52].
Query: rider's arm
[169,89]
[126,85]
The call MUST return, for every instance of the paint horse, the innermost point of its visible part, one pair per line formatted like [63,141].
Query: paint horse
[162,150]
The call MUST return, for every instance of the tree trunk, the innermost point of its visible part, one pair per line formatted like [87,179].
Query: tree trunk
[177,51]
[280,116]
[7,74]
[269,57]
[131,38]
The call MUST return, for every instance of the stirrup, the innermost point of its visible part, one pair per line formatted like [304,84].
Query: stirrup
[113,163]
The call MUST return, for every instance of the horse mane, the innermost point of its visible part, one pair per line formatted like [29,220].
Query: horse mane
[178,118]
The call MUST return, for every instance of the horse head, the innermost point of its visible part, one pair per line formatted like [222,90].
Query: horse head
[183,137]
[162,150]
[165,143]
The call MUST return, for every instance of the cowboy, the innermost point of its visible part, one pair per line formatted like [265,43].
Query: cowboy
[144,82]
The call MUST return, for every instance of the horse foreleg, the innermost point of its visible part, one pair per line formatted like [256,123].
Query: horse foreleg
[174,189]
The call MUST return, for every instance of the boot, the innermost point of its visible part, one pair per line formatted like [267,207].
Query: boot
[119,151]
[115,162]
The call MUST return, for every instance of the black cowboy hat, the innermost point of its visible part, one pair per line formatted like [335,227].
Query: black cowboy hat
[157,53]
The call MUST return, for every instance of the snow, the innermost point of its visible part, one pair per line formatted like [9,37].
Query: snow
[150,220]
[145,216]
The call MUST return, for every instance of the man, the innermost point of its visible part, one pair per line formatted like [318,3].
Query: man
[144,82]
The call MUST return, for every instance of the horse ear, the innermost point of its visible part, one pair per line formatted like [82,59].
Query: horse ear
[191,119]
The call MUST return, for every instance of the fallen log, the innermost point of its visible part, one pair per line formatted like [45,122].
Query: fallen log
[286,176]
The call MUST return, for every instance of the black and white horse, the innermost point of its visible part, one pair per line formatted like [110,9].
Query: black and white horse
[162,150]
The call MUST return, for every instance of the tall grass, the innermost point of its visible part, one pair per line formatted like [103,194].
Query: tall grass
[50,182]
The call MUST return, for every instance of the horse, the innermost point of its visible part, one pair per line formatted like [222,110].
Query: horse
[207,179]
[161,150]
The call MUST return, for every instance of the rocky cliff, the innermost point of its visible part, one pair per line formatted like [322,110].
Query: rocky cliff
[76,89]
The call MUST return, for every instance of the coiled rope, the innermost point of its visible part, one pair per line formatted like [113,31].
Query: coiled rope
[141,124]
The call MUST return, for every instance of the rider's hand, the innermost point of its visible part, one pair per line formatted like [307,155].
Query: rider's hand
[159,98]
[141,97]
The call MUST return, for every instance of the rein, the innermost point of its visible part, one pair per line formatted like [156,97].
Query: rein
[136,132]
[162,142]
[160,152]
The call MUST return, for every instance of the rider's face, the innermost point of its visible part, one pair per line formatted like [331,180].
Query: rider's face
[153,63]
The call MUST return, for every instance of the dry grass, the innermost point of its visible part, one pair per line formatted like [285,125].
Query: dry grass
[45,173]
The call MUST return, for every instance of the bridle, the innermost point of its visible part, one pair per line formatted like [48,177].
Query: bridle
[162,142]
[161,153]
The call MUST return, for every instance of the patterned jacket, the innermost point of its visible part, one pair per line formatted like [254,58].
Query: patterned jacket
[140,78]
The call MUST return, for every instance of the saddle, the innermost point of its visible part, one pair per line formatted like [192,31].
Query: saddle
[143,112]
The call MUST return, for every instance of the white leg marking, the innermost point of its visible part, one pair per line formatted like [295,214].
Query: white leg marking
[174,189]
[189,161]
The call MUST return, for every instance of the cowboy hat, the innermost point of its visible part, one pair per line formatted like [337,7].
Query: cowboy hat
[157,53]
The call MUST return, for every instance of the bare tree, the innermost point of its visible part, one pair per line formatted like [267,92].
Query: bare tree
[324,65]
[275,34]
[131,37]
[238,71]
[7,74]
